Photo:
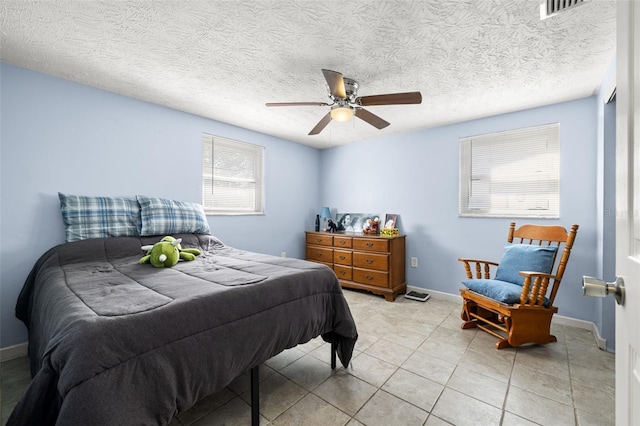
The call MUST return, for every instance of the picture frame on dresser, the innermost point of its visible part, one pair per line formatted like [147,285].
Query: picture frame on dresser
[353,222]
[390,220]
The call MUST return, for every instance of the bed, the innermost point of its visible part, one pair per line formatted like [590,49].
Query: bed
[112,341]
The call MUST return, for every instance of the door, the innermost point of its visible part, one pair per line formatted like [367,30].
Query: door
[628,212]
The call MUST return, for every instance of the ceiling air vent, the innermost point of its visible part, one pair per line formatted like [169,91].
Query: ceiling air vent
[549,8]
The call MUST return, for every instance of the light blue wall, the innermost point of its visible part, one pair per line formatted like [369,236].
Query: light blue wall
[61,136]
[416,176]
[607,323]
[607,162]
[605,315]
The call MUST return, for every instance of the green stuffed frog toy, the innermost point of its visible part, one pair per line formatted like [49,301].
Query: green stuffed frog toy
[167,252]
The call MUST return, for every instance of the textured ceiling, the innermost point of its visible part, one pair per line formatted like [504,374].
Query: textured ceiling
[225,59]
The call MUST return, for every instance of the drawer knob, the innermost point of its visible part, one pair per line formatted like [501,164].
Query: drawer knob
[342,272]
[369,244]
[342,257]
[319,240]
[319,254]
[369,261]
[369,277]
[342,242]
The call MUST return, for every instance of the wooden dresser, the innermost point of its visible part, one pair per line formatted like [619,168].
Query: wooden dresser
[367,262]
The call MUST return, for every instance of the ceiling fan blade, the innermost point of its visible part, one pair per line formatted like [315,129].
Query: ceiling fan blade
[321,124]
[336,83]
[277,104]
[371,118]
[390,99]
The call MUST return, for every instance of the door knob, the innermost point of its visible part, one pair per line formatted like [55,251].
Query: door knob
[594,287]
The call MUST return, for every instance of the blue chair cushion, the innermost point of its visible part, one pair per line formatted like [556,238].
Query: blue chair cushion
[501,291]
[524,257]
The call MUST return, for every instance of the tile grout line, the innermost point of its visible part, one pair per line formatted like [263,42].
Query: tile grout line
[573,399]
[506,394]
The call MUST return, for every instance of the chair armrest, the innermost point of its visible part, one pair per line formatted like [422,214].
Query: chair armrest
[532,274]
[534,287]
[480,266]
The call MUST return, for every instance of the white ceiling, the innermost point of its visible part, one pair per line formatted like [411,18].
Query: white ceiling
[225,59]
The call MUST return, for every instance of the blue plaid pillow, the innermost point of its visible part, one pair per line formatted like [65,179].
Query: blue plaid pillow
[166,217]
[87,217]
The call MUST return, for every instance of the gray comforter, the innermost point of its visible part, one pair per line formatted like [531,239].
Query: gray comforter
[115,342]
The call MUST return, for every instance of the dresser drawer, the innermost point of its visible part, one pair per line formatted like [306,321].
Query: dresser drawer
[342,272]
[370,244]
[320,254]
[342,257]
[360,261]
[320,239]
[342,241]
[376,261]
[367,276]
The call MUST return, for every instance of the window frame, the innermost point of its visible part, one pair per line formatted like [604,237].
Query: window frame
[242,149]
[499,158]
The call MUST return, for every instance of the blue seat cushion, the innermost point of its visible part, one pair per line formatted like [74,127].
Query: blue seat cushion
[501,291]
[524,257]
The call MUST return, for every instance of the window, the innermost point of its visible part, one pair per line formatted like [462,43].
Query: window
[511,174]
[232,176]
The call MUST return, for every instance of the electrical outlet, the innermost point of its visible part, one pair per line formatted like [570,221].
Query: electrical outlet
[283,254]
[414,262]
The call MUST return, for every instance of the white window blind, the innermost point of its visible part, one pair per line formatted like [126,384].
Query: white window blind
[232,176]
[511,174]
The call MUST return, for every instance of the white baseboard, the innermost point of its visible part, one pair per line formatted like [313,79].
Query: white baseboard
[572,322]
[586,325]
[600,341]
[12,352]
[557,319]
[437,294]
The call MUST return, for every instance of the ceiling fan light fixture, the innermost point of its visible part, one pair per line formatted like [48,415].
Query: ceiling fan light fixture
[341,114]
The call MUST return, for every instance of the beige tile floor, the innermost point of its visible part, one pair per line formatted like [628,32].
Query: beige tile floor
[413,365]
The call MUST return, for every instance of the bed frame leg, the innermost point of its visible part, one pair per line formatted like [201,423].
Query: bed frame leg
[255,396]
[334,349]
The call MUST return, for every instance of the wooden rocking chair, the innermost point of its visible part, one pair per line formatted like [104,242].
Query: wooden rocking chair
[517,305]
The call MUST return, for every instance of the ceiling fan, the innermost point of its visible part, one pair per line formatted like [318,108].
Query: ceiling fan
[345,103]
